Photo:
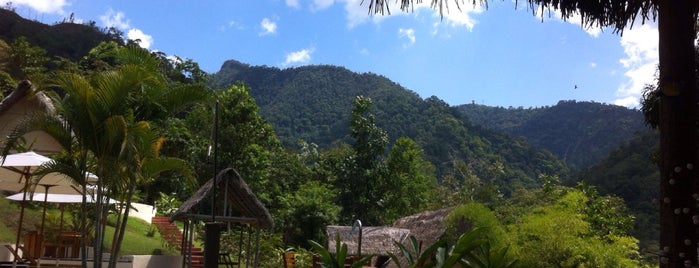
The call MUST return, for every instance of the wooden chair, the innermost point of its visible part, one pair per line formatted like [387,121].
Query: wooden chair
[225,259]
[289,259]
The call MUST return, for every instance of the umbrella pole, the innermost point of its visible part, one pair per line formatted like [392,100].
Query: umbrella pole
[43,217]
[19,228]
[21,218]
[61,225]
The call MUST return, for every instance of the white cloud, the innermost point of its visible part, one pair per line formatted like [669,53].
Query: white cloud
[117,19]
[321,4]
[292,3]
[641,48]
[114,19]
[315,5]
[591,30]
[145,41]
[629,101]
[593,64]
[463,17]
[407,33]
[575,19]
[358,12]
[235,25]
[268,26]
[298,57]
[43,6]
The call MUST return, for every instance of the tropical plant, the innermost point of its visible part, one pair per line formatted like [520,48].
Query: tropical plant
[488,257]
[337,260]
[439,255]
[167,204]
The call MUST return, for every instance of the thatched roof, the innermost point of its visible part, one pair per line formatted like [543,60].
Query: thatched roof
[240,197]
[375,239]
[427,226]
[25,91]
[24,101]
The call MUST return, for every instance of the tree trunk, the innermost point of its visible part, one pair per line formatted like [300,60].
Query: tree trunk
[99,221]
[120,228]
[679,184]
[117,229]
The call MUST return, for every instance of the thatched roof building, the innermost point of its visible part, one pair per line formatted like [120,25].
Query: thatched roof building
[427,226]
[375,240]
[25,101]
[237,194]
[250,214]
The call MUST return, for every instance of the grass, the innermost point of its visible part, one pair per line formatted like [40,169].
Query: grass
[139,239]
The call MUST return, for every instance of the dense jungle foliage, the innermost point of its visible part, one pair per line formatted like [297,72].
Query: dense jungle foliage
[579,133]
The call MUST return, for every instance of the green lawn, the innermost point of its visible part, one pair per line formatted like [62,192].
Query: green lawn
[140,238]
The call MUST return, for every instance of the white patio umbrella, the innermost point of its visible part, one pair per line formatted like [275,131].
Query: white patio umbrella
[55,198]
[51,198]
[15,176]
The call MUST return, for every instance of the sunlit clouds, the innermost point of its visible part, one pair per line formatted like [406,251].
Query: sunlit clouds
[575,19]
[144,40]
[321,4]
[114,19]
[407,34]
[641,48]
[268,26]
[298,57]
[42,6]
[117,19]
[292,3]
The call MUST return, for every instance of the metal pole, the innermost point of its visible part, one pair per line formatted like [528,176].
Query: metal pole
[213,201]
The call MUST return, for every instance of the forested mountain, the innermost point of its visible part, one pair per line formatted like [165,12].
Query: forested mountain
[630,172]
[313,103]
[64,39]
[579,133]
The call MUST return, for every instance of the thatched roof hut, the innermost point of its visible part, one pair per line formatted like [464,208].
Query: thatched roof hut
[251,215]
[25,101]
[427,226]
[238,195]
[375,239]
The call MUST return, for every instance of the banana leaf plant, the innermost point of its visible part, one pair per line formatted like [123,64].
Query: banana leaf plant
[337,260]
[439,255]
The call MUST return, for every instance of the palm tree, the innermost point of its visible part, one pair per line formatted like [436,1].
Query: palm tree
[679,146]
[107,115]
[141,163]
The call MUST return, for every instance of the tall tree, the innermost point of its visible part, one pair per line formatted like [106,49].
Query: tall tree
[359,196]
[406,182]
[679,182]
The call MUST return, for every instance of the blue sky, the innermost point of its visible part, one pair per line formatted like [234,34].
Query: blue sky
[499,56]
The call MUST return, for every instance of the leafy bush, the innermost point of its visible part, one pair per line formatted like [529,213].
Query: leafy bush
[167,204]
[471,249]
[338,259]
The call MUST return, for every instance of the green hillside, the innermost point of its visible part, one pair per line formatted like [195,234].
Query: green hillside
[313,103]
[64,39]
[579,133]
